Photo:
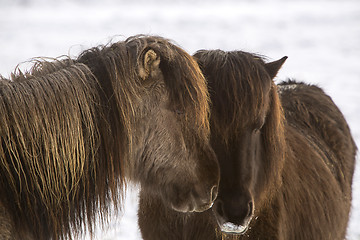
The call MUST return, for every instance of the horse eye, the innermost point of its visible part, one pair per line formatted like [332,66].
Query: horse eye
[258,128]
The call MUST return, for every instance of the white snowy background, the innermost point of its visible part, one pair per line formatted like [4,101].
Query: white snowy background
[321,38]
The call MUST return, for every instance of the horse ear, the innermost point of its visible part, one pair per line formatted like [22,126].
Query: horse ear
[273,67]
[149,64]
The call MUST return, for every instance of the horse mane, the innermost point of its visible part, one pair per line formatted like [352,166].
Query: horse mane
[46,137]
[235,79]
[66,132]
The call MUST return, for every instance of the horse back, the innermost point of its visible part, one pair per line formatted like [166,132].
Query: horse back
[316,116]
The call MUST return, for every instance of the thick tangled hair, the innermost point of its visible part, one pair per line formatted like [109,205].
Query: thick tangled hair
[235,79]
[49,140]
[66,129]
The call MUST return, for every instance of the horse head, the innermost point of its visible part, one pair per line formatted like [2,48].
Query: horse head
[242,90]
[172,148]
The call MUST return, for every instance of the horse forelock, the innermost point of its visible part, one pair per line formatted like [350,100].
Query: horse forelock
[238,86]
[117,64]
[184,80]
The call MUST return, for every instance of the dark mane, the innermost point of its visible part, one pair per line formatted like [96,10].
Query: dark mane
[222,70]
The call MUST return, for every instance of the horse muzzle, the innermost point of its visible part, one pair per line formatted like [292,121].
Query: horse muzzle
[195,203]
[233,220]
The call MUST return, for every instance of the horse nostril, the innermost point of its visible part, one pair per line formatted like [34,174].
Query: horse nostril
[214,193]
[219,208]
[250,208]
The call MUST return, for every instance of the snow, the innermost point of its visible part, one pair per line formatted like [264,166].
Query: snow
[321,38]
[229,227]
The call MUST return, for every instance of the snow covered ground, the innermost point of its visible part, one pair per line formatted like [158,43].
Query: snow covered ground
[321,38]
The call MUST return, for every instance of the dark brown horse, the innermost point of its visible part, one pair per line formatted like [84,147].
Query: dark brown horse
[73,130]
[286,157]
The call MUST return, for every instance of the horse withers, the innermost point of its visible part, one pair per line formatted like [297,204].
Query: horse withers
[286,158]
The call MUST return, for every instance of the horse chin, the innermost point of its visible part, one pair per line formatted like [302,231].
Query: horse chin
[204,207]
[231,228]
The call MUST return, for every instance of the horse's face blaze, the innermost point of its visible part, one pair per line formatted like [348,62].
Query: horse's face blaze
[175,157]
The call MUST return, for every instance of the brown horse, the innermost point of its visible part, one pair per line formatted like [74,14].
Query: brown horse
[73,130]
[286,159]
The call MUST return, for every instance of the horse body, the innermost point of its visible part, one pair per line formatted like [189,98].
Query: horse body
[325,173]
[73,131]
[286,157]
